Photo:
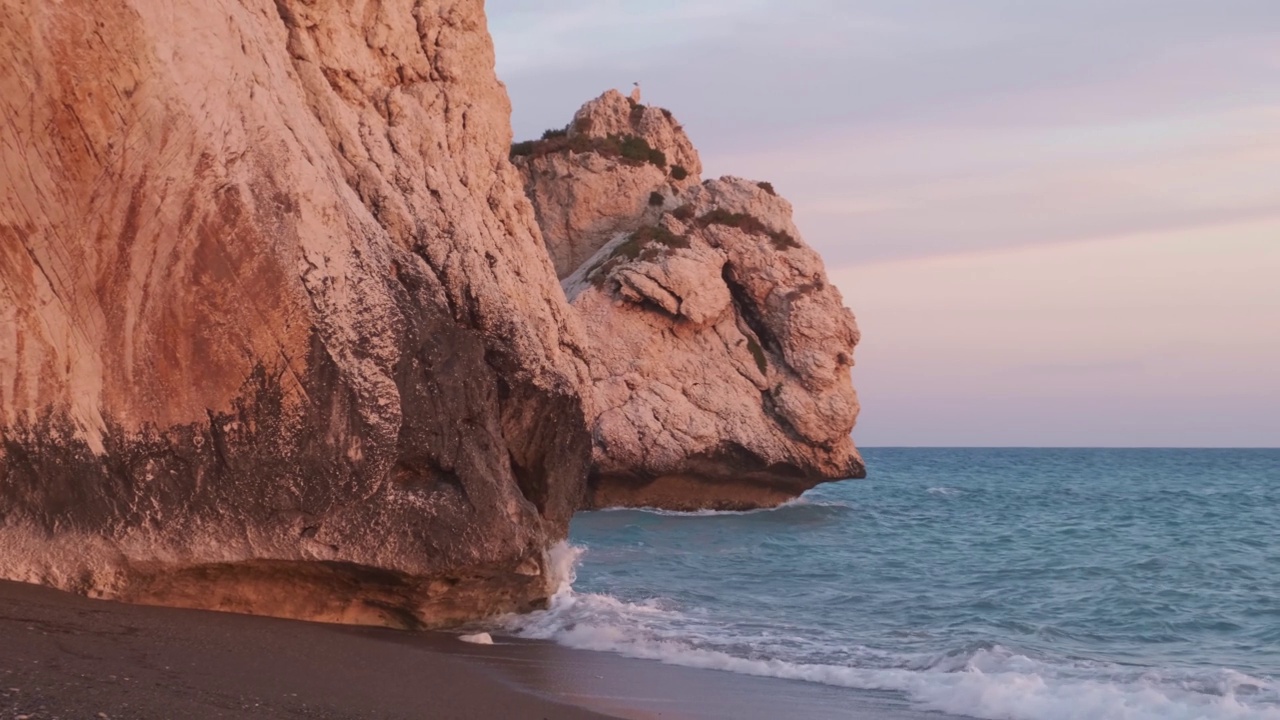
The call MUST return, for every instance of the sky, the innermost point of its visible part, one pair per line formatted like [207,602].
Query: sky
[1057,221]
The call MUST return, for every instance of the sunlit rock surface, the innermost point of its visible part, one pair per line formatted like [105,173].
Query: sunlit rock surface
[278,333]
[719,353]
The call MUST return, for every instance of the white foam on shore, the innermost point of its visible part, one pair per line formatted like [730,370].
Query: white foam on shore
[992,683]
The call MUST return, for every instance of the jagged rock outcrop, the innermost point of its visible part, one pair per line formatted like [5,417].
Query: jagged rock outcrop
[598,176]
[720,353]
[277,330]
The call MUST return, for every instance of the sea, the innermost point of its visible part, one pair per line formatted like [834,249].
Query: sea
[1008,584]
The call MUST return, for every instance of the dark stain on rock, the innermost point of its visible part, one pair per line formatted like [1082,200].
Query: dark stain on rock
[730,477]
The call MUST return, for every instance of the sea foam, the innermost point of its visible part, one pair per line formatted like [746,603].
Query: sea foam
[986,681]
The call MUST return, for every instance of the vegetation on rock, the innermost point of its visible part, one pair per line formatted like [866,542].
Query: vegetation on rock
[632,149]
[757,352]
[637,112]
[643,244]
[647,242]
[637,149]
[782,240]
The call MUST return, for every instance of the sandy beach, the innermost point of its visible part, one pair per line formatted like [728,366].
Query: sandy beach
[64,656]
[67,657]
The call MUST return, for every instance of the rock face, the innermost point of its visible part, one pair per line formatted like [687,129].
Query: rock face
[278,333]
[720,353]
[597,177]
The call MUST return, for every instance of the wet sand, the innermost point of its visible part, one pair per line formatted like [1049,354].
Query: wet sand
[67,657]
[645,689]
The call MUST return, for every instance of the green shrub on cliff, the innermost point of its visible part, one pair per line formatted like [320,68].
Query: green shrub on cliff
[651,235]
[630,148]
[757,352]
[645,243]
[782,240]
[634,147]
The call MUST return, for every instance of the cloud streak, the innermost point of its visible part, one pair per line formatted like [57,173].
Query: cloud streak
[866,194]
[908,127]
[1059,221]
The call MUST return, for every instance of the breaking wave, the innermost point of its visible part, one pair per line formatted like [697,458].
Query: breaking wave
[981,680]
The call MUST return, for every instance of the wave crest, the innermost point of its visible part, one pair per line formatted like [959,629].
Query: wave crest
[982,680]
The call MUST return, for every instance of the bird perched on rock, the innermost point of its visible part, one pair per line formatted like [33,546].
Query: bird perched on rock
[635,92]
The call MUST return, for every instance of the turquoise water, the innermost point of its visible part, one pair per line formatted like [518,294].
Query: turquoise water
[1010,583]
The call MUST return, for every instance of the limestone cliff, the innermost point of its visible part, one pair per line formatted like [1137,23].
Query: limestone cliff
[277,329]
[597,176]
[719,353]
